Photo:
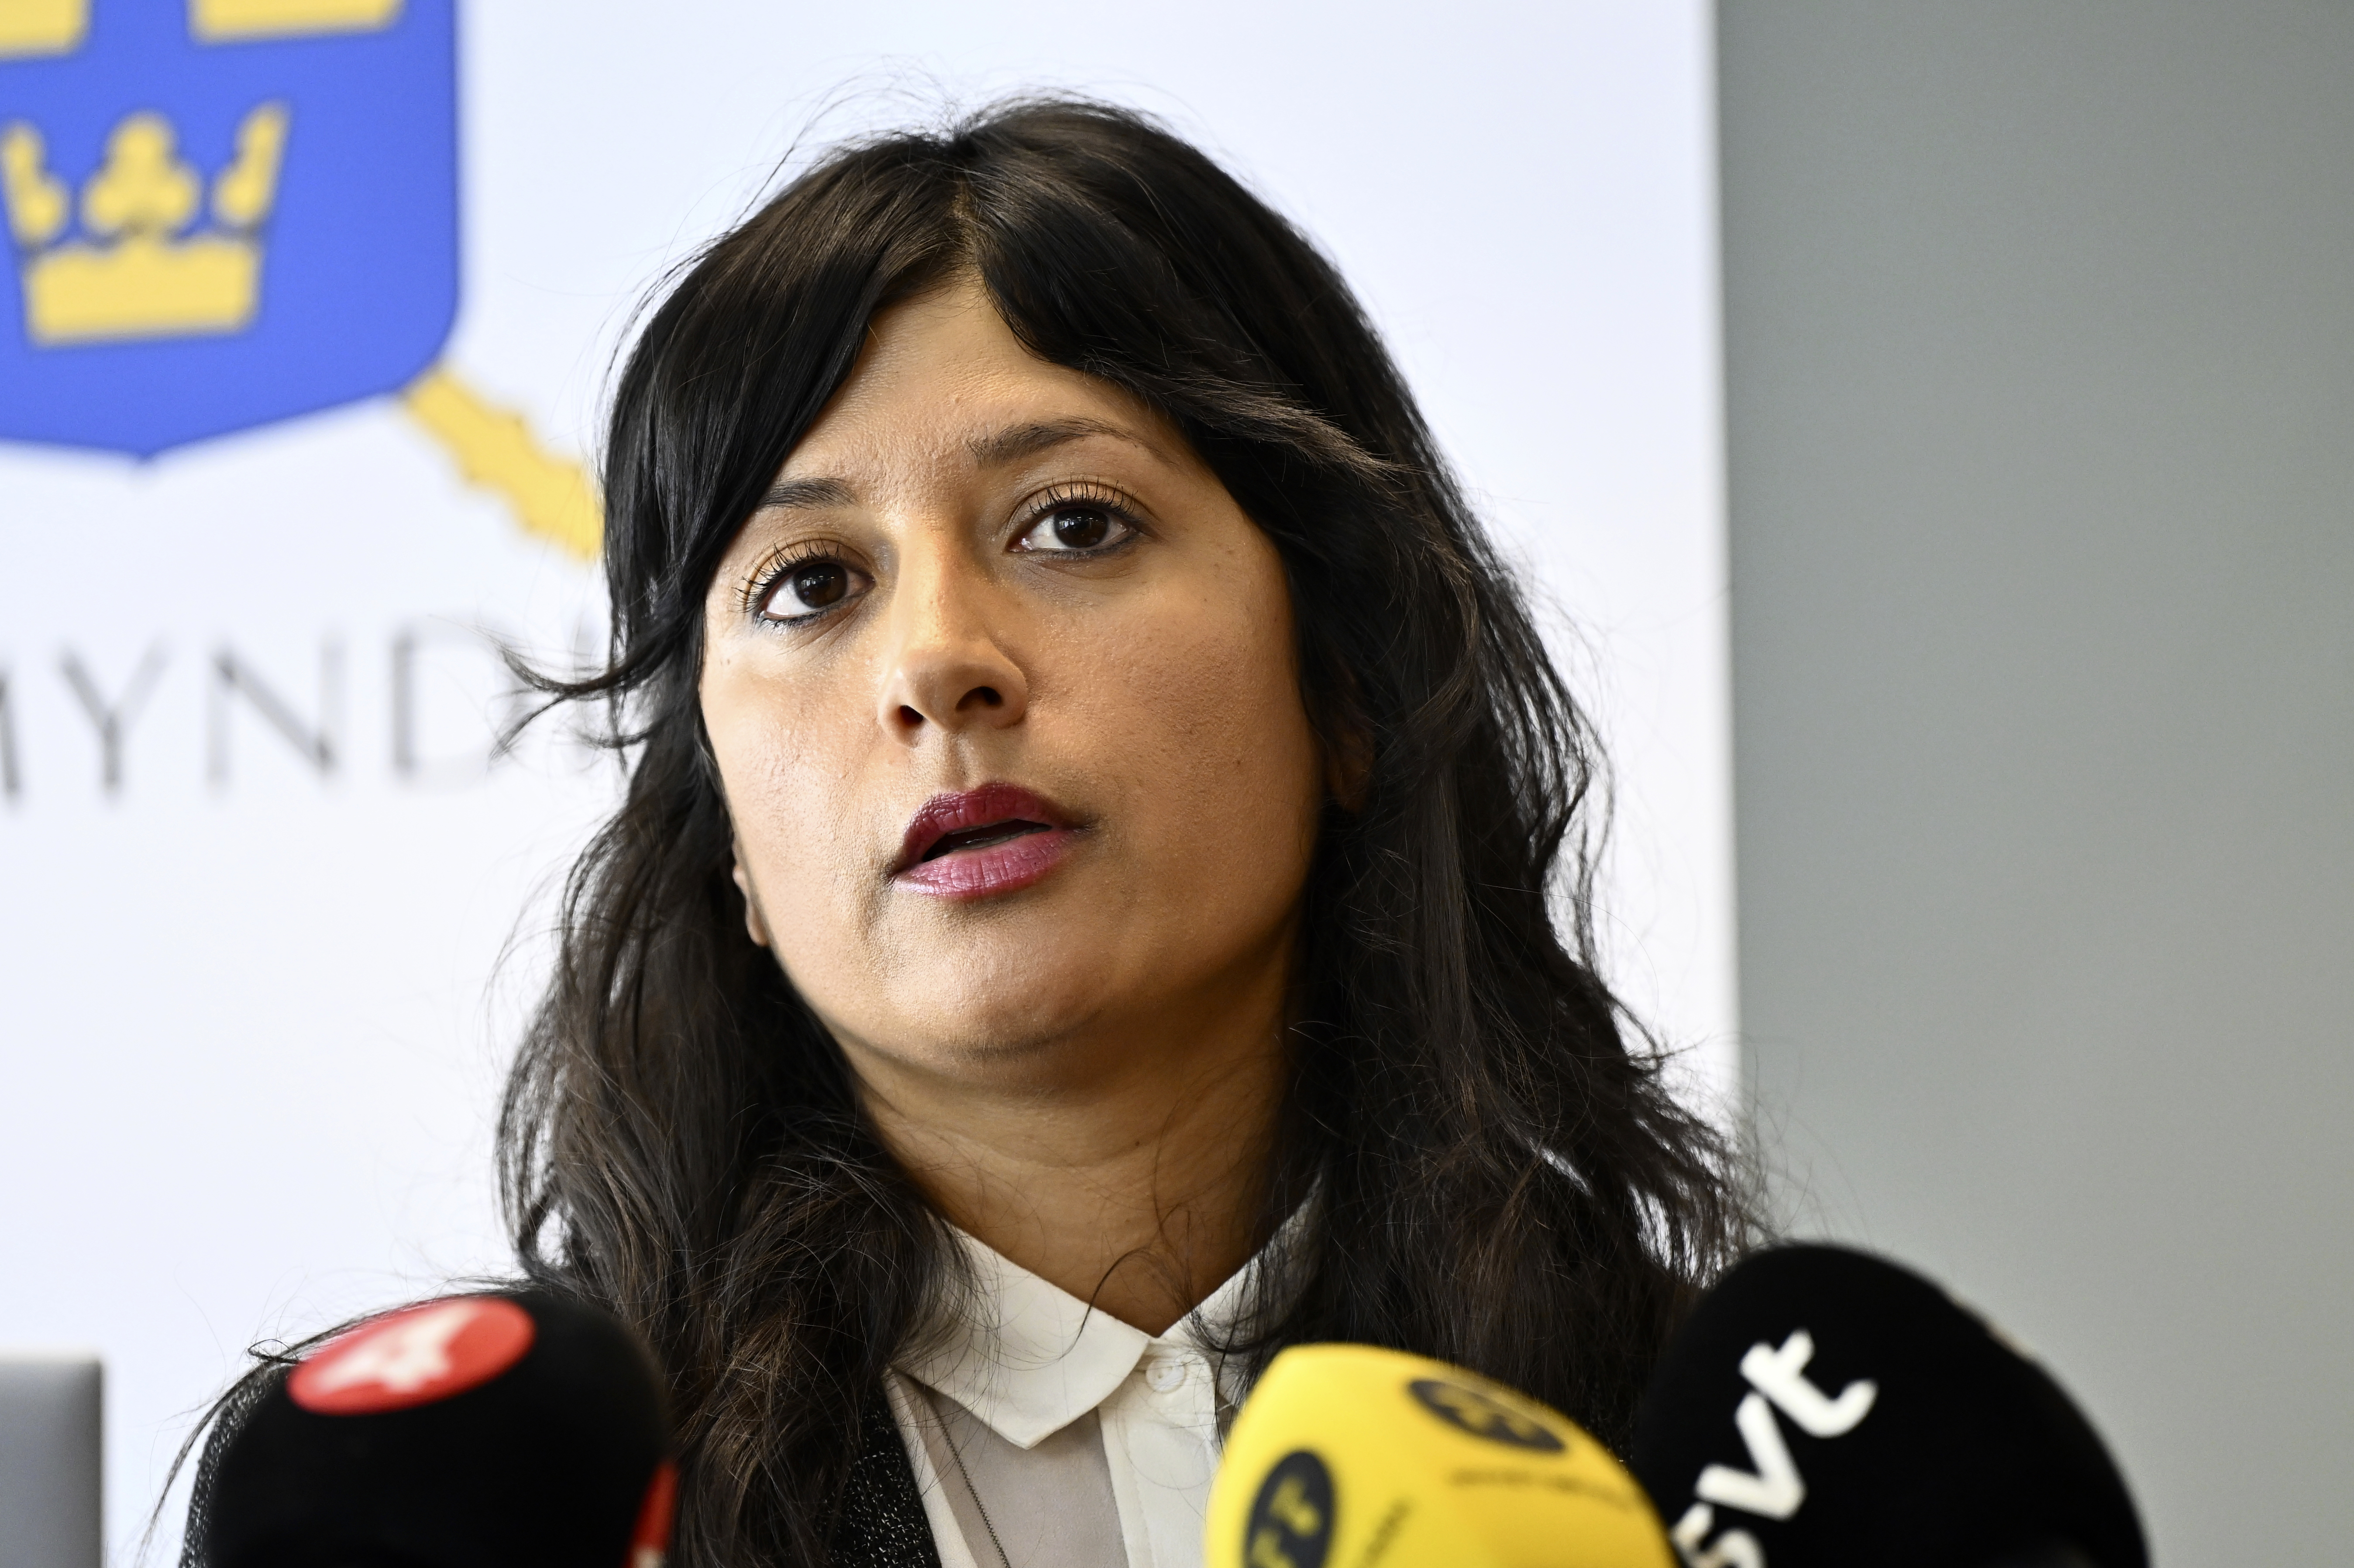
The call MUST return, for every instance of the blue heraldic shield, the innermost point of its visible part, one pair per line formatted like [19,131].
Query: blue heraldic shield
[222,213]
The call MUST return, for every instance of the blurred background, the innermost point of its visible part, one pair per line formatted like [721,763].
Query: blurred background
[2040,392]
[1934,418]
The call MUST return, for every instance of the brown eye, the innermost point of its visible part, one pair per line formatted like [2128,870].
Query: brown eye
[1075,526]
[1080,528]
[807,589]
[819,585]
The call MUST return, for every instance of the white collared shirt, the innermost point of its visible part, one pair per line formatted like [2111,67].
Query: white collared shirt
[1044,1434]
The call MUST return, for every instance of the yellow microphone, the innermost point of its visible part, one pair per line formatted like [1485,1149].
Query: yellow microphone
[1349,1457]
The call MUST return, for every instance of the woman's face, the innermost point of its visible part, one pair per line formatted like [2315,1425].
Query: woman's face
[1002,688]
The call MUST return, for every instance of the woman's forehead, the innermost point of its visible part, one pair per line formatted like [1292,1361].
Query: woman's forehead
[943,383]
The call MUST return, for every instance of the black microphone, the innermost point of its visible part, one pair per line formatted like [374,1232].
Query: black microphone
[508,1430]
[1826,1409]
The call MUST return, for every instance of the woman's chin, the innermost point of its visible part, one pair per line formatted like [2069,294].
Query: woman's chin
[1000,1024]
[1092,957]
[980,1011]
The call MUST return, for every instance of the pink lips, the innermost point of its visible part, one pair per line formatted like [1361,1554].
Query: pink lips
[982,841]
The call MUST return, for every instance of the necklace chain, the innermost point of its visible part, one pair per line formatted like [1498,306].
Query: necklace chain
[974,1493]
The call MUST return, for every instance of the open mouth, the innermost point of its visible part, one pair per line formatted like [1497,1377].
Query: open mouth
[976,840]
[984,837]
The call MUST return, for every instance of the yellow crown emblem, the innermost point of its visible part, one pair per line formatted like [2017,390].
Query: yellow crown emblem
[139,272]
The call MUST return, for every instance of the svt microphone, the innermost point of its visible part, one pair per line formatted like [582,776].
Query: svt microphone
[1824,1409]
[1346,1456]
[516,1430]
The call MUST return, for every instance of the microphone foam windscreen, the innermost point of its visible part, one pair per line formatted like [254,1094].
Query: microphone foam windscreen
[1826,1409]
[1346,1456]
[516,1430]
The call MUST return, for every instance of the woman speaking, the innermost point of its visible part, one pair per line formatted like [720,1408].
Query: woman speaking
[1082,916]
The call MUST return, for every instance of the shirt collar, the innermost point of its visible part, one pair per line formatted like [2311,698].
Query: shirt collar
[1028,1358]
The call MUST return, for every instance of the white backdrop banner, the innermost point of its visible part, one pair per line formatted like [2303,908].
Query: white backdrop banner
[307,315]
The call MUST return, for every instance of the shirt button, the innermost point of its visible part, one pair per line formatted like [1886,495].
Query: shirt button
[1162,1375]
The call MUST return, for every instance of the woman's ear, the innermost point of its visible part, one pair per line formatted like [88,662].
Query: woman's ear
[1347,767]
[756,925]
[1345,739]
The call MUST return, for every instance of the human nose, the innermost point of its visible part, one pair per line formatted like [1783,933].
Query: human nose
[949,668]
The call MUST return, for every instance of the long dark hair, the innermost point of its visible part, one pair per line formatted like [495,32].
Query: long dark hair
[1499,1176]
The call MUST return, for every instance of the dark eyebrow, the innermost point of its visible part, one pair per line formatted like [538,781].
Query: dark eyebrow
[795,493]
[1015,442]
[1010,445]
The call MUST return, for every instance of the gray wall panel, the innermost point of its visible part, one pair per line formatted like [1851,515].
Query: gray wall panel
[2040,338]
[50,1430]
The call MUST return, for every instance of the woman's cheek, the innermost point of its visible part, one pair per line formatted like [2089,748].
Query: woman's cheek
[1224,758]
[782,782]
